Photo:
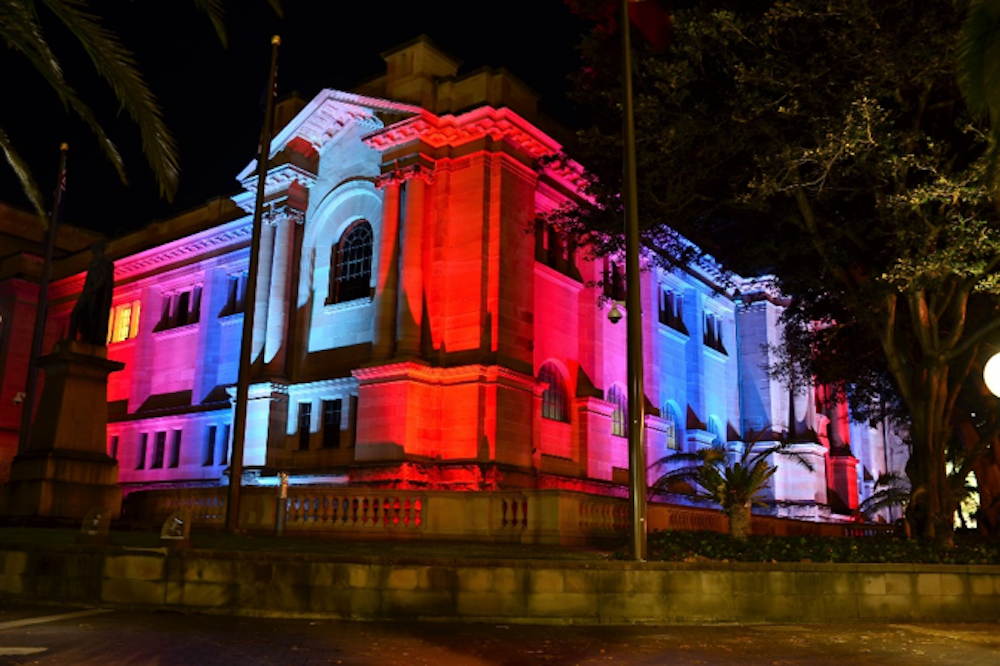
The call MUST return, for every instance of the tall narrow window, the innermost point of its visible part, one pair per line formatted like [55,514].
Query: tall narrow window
[614,280]
[208,450]
[332,410]
[670,419]
[715,430]
[175,449]
[619,418]
[554,397]
[351,264]
[159,449]
[224,444]
[235,295]
[183,308]
[113,447]
[140,455]
[305,424]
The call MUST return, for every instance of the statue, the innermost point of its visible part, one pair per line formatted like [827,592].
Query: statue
[89,319]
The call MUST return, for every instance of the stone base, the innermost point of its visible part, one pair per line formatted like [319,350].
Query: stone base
[62,484]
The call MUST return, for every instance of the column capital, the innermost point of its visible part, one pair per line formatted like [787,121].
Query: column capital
[396,173]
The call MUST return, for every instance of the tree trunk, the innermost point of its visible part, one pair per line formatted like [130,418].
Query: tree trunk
[739,521]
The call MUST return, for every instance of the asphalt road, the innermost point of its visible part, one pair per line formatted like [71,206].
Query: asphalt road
[70,636]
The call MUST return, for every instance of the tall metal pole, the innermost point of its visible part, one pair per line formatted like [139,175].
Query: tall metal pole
[633,303]
[243,381]
[41,312]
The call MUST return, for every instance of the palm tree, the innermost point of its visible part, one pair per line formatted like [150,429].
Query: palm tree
[733,482]
[21,31]
[978,70]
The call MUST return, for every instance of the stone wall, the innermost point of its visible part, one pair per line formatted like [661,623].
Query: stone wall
[502,590]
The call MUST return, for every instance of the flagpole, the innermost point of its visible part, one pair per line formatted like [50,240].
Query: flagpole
[243,381]
[41,312]
[633,304]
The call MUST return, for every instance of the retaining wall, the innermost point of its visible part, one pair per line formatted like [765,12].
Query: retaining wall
[502,590]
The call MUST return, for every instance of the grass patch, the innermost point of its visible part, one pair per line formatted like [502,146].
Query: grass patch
[679,546]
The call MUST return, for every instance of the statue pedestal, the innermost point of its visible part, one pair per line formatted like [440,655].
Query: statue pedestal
[66,471]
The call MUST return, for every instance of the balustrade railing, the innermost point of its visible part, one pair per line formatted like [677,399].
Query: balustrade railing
[337,509]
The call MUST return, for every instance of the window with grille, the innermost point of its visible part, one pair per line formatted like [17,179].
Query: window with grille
[619,418]
[305,424]
[351,264]
[332,411]
[554,401]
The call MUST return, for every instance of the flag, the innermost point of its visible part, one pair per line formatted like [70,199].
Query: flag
[652,21]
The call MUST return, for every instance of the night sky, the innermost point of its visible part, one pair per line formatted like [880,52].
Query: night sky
[211,96]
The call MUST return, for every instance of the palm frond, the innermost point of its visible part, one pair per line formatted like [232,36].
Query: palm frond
[23,174]
[217,15]
[116,65]
[978,72]
[891,490]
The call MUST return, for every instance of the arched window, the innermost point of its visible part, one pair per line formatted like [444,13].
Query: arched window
[351,264]
[715,430]
[619,418]
[554,400]
[672,423]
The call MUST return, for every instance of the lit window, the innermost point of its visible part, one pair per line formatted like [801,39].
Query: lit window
[619,418]
[123,323]
[554,397]
[351,265]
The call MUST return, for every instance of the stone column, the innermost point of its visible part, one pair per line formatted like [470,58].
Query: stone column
[261,300]
[409,316]
[283,224]
[386,289]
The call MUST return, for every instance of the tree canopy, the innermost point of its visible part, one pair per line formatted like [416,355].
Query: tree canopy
[828,144]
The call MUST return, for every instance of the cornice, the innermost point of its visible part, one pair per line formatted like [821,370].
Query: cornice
[278,180]
[451,131]
[326,116]
[228,235]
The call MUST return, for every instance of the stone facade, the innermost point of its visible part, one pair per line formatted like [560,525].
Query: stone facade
[411,330]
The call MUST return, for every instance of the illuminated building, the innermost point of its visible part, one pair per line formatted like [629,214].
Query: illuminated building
[411,330]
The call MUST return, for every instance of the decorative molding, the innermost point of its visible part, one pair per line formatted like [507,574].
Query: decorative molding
[452,131]
[217,238]
[278,180]
[399,175]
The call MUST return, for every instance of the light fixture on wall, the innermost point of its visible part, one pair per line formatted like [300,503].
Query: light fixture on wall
[615,315]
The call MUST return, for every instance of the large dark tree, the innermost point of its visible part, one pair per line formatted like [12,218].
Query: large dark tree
[830,145]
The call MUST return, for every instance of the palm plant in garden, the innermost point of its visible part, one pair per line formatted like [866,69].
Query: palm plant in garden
[733,482]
